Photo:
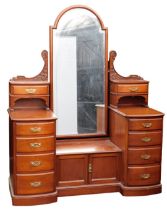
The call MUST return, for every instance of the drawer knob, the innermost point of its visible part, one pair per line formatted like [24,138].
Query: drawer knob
[133,89]
[35,184]
[147,125]
[30,90]
[35,145]
[35,163]
[35,129]
[145,157]
[146,139]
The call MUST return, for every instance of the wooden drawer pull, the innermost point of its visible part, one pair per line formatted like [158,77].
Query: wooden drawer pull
[35,129]
[145,157]
[35,145]
[35,163]
[35,184]
[30,90]
[147,125]
[133,89]
[146,139]
[145,176]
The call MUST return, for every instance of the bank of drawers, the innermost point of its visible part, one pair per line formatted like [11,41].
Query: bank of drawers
[144,151]
[34,157]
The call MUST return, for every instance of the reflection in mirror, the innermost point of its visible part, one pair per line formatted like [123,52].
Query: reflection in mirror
[79,73]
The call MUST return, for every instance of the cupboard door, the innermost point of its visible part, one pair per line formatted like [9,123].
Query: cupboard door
[103,168]
[72,170]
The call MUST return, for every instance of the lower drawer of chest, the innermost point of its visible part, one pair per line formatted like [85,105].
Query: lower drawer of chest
[140,176]
[145,138]
[144,155]
[38,144]
[35,163]
[35,184]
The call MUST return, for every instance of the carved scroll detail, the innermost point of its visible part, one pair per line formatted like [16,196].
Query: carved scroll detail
[42,76]
[114,75]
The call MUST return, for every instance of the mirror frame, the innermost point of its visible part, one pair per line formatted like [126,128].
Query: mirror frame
[103,28]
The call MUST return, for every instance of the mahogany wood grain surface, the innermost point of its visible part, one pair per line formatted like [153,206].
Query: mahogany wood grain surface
[29,115]
[35,128]
[35,144]
[85,147]
[146,155]
[35,183]
[138,111]
[35,162]
[30,89]
[130,88]
[144,175]
[145,138]
[145,124]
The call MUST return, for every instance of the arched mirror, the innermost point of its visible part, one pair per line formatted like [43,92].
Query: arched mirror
[78,63]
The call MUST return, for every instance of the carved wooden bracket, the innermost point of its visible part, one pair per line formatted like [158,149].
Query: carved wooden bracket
[114,75]
[42,76]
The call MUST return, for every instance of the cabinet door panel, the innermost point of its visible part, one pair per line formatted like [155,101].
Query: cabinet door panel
[72,170]
[103,168]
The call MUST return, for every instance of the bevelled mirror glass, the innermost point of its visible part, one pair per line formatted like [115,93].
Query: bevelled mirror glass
[78,64]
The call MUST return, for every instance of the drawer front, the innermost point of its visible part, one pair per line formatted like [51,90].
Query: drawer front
[34,129]
[35,163]
[145,124]
[147,138]
[39,144]
[140,176]
[30,90]
[132,88]
[35,184]
[144,155]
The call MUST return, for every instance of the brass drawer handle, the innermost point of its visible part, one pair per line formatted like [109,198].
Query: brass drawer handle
[133,89]
[35,184]
[145,157]
[35,145]
[35,163]
[147,125]
[146,139]
[30,90]
[35,129]
[145,176]
[90,168]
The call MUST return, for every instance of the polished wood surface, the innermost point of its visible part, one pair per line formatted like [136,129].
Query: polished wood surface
[35,162]
[144,175]
[85,147]
[35,128]
[29,90]
[145,124]
[130,88]
[72,170]
[146,155]
[29,115]
[35,144]
[138,111]
[101,172]
[35,183]
[145,138]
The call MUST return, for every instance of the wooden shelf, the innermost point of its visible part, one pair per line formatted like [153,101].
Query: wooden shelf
[85,147]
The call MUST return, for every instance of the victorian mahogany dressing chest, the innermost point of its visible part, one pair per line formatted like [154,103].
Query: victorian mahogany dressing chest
[103,136]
